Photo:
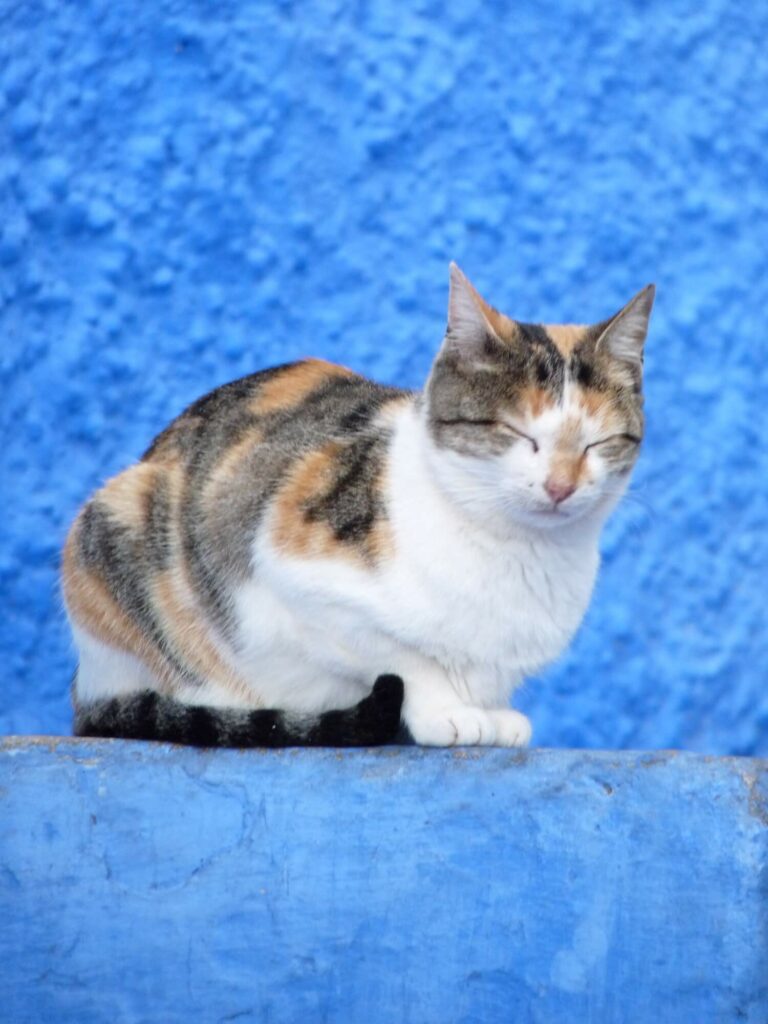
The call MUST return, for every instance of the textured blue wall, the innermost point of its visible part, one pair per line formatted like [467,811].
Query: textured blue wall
[193,191]
[146,884]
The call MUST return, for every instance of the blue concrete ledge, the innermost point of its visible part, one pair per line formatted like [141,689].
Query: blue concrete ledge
[147,883]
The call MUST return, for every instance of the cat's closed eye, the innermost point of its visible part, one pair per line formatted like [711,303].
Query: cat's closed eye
[617,439]
[501,425]
[520,433]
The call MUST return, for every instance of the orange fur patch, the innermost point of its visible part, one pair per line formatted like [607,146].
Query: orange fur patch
[592,402]
[311,477]
[187,629]
[292,386]
[568,469]
[600,407]
[535,400]
[568,465]
[126,494]
[92,607]
[292,533]
[565,336]
[569,434]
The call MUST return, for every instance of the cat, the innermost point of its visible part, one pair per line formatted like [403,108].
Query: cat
[299,533]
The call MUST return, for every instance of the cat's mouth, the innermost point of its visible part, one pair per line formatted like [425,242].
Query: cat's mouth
[553,509]
[551,514]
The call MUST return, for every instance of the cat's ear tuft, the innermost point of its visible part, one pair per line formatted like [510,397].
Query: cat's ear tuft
[623,336]
[473,324]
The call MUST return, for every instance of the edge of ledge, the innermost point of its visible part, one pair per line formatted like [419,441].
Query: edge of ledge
[647,758]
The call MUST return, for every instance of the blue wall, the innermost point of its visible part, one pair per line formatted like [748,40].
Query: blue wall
[392,887]
[192,191]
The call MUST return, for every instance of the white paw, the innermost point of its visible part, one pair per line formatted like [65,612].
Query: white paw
[453,727]
[512,728]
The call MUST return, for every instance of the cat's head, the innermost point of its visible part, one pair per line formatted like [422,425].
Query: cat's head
[535,424]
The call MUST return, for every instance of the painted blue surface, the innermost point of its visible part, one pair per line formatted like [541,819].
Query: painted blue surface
[140,883]
[190,191]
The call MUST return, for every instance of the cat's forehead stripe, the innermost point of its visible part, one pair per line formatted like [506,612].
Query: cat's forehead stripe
[543,356]
[537,335]
[535,400]
[565,336]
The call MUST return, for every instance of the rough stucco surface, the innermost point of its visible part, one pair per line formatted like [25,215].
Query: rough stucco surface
[176,885]
[189,192]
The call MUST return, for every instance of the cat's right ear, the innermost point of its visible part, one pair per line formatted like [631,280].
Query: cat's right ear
[623,336]
[475,329]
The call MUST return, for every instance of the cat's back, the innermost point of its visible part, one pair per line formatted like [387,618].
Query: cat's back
[291,406]
[300,445]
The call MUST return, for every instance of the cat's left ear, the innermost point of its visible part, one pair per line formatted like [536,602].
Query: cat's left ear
[623,336]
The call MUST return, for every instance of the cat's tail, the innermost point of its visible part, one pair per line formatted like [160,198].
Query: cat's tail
[149,716]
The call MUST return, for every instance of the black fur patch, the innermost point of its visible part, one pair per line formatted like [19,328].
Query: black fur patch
[352,506]
[157,525]
[375,720]
[148,716]
[544,357]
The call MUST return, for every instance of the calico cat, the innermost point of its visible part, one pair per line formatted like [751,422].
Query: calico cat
[297,534]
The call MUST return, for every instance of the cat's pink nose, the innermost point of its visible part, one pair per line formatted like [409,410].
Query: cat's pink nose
[559,491]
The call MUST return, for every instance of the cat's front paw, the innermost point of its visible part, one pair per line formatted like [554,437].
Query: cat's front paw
[512,728]
[453,727]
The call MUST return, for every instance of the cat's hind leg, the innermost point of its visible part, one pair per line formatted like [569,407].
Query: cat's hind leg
[104,671]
